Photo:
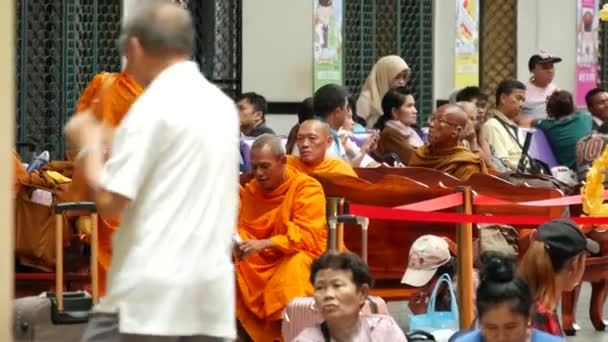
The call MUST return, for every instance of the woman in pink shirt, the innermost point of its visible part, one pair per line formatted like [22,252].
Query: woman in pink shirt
[342,282]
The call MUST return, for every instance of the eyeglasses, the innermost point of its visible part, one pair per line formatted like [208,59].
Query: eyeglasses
[442,121]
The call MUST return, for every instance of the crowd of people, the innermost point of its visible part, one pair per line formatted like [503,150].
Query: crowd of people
[196,258]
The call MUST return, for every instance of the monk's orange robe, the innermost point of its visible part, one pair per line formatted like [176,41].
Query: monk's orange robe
[109,96]
[457,161]
[293,217]
[328,165]
[19,173]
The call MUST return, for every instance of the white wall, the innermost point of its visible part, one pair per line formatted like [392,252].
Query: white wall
[277,53]
[7,119]
[548,25]
[444,36]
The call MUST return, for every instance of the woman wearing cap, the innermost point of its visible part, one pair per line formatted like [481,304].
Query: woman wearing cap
[539,87]
[389,72]
[503,305]
[554,263]
[428,259]
[341,282]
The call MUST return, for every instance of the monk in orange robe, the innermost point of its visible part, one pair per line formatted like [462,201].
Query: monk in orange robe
[444,152]
[19,170]
[313,140]
[109,96]
[282,225]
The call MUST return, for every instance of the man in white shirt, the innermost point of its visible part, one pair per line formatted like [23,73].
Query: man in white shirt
[501,132]
[172,179]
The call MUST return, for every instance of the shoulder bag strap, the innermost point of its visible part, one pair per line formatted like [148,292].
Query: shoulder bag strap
[512,131]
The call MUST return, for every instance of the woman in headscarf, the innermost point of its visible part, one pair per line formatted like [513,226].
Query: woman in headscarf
[389,72]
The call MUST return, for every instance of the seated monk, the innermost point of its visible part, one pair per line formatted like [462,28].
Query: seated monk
[282,225]
[313,140]
[19,171]
[443,151]
[109,96]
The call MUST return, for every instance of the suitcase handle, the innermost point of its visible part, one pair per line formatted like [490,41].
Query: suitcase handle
[88,206]
[332,243]
[59,210]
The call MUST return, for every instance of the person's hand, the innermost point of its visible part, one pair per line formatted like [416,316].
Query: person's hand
[84,129]
[347,147]
[371,143]
[469,132]
[249,247]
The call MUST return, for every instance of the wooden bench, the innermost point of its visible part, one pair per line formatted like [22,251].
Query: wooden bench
[389,241]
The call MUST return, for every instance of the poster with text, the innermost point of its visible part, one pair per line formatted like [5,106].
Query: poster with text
[327,39]
[466,50]
[586,48]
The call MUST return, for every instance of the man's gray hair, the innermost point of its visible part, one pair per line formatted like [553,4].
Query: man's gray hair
[272,141]
[161,27]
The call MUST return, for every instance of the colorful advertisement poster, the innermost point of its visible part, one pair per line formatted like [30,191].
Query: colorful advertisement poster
[327,42]
[586,49]
[466,52]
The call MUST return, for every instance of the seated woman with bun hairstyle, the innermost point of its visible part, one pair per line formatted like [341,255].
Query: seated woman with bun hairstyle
[503,305]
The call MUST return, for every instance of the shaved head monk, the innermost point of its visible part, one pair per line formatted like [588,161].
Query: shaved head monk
[109,97]
[443,152]
[282,224]
[313,140]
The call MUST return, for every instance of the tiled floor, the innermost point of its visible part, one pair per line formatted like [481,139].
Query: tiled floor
[586,333]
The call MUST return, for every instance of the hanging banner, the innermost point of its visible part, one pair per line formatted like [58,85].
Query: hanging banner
[586,49]
[466,52]
[327,39]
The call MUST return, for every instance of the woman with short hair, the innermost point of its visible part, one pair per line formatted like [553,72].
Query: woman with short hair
[341,282]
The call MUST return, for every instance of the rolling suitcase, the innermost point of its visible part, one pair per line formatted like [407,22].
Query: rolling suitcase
[301,313]
[58,316]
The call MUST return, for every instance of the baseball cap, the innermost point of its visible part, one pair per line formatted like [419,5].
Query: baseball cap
[542,58]
[563,239]
[427,254]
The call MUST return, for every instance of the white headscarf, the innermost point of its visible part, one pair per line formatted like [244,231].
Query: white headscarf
[378,83]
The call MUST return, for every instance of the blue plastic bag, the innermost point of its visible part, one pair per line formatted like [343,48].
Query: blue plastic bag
[437,320]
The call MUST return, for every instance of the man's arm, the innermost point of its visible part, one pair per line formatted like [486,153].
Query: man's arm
[91,158]
[109,204]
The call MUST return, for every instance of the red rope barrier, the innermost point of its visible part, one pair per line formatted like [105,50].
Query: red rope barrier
[421,216]
[435,204]
[453,200]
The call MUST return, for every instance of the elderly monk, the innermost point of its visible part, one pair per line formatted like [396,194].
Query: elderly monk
[282,226]
[443,151]
[19,172]
[109,96]
[472,137]
[313,140]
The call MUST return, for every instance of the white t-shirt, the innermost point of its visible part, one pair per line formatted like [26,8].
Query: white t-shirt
[175,156]
[535,106]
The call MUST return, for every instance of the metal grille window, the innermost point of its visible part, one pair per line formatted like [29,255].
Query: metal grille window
[61,45]
[375,28]
[498,44]
[218,41]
